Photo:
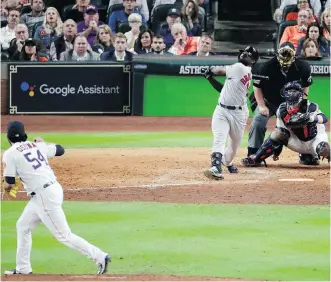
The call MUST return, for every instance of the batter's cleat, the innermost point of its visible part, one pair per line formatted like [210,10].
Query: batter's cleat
[232,168]
[103,267]
[13,272]
[213,173]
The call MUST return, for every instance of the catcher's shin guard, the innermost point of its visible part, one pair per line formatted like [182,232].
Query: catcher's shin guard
[268,148]
[251,151]
[323,150]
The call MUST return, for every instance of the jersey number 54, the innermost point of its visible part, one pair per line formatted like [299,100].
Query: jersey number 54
[37,160]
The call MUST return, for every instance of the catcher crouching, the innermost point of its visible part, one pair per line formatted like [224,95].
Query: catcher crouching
[299,126]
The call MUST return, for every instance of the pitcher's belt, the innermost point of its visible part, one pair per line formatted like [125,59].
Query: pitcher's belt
[45,186]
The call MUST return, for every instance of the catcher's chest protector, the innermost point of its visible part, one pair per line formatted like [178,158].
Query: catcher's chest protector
[306,132]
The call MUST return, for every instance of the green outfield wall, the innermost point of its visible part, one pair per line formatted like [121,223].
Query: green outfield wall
[175,86]
[194,96]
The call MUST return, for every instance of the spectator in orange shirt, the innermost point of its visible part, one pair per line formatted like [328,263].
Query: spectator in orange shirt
[326,22]
[183,44]
[294,33]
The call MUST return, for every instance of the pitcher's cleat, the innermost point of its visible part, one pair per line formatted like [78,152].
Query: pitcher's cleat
[13,272]
[103,267]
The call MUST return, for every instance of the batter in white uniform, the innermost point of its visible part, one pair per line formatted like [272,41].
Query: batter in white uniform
[231,113]
[29,161]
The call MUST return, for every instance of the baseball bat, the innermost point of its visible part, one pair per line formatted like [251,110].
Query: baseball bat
[257,76]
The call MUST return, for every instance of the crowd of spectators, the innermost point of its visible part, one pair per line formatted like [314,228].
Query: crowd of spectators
[31,30]
[307,26]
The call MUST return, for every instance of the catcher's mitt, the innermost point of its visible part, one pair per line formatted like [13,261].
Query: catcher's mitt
[298,120]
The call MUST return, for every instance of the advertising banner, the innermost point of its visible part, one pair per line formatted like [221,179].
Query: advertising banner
[193,65]
[69,89]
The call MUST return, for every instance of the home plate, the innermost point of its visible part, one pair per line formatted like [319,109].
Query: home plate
[295,179]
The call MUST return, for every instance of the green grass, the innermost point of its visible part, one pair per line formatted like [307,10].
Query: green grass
[241,241]
[126,139]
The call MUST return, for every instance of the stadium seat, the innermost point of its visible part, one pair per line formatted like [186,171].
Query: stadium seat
[26,9]
[64,13]
[289,9]
[113,8]
[103,13]
[165,25]
[124,27]
[4,56]
[281,29]
[96,2]
[160,14]
[4,23]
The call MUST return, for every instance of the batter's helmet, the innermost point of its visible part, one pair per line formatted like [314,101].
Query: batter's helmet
[248,56]
[292,92]
[16,132]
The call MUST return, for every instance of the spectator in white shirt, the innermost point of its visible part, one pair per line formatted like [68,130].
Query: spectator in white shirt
[135,22]
[315,5]
[7,33]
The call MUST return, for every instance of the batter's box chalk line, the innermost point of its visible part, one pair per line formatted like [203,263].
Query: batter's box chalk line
[160,186]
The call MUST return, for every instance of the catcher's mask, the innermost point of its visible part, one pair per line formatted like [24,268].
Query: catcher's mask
[292,93]
[248,56]
[286,56]
[16,132]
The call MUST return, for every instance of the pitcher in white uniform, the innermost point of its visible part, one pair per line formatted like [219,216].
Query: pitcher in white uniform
[231,113]
[29,161]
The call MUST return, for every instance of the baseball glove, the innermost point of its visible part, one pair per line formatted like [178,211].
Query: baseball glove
[13,191]
[298,120]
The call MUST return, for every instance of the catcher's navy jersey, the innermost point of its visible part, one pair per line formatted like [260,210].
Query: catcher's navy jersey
[304,133]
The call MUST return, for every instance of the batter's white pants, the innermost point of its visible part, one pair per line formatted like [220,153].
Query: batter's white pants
[228,123]
[46,207]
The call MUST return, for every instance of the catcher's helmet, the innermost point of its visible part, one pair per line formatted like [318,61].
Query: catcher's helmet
[286,56]
[292,92]
[248,56]
[16,132]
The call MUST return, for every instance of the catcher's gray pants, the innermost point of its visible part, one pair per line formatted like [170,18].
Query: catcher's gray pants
[257,130]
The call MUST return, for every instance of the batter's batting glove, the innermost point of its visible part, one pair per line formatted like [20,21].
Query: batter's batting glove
[208,73]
